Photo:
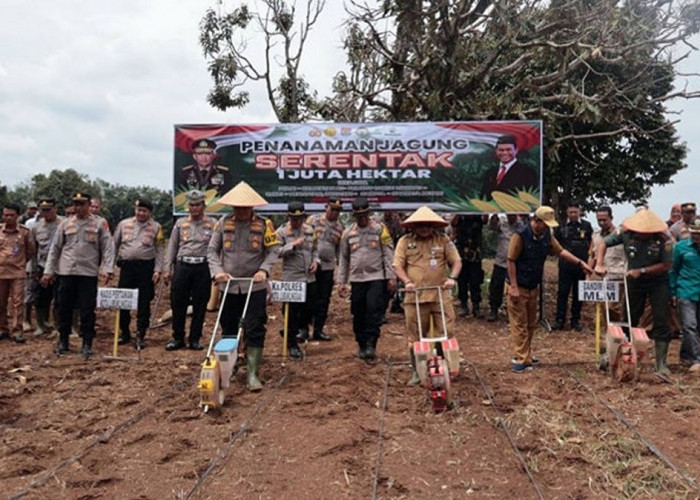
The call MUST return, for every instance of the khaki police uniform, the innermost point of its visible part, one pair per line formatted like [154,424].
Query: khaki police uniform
[241,249]
[328,235]
[43,233]
[186,259]
[139,250]
[365,260]
[426,263]
[16,250]
[296,262]
[78,249]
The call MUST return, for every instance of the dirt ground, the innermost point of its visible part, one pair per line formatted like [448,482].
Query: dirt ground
[333,426]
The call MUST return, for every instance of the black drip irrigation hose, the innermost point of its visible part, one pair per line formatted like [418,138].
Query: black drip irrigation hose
[502,426]
[380,437]
[240,432]
[650,446]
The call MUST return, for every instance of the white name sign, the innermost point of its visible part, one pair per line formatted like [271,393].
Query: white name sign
[117,298]
[288,291]
[597,291]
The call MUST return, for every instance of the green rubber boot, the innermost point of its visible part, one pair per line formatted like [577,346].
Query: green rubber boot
[661,353]
[254,358]
[415,379]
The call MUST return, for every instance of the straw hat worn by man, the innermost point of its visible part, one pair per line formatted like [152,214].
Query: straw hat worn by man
[366,256]
[684,279]
[186,260]
[649,256]
[426,257]
[527,252]
[138,245]
[244,246]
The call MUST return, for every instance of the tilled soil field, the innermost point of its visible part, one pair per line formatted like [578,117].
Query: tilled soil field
[333,426]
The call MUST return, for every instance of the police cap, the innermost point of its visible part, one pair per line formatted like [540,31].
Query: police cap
[204,146]
[81,197]
[360,206]
[144,203]
[336,204]
[195,196]
[296,209]
[688,207]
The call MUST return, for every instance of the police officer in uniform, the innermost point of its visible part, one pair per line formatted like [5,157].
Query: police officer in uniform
[328,230]
[82,243]
[43,232]
[244,246]
[680,229]
[649,253]
[467,234]
[138,244]
[16,250]
[298,249]
[575,236]
[204,174]
[186,262]
[426,257]
[366,258]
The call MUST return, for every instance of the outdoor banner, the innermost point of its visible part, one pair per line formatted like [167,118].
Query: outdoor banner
[477,167]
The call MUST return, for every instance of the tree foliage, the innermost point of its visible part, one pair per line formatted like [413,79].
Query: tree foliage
[231,64]
[599,73]
[117,201]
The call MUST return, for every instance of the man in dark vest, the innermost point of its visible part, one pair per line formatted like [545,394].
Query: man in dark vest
[576,236]
[528,249]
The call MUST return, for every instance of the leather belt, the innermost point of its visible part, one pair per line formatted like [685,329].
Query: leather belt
[192,260]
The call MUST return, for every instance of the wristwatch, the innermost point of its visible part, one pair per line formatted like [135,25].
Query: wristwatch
[643,270]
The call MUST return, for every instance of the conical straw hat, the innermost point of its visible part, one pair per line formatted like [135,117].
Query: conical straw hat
[242,195]
[424,215]
[645,221]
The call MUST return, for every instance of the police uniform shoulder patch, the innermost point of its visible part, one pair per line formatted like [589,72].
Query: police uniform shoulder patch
[188,167]
[270,238]
[385,236]
[222,168]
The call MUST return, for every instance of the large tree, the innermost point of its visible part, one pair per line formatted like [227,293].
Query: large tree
[599,73]
[224,37]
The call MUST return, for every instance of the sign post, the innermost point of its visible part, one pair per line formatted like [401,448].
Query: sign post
[287,291]
[598,291]
[117,298]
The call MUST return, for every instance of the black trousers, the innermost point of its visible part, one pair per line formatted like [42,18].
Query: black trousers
[656,289]
[568,283]
[77,292]
[301,313]
[469,282]
[44,295]
[367,306]
[137,274]
[191,285]
[254,321]
[324,290]
[496,287]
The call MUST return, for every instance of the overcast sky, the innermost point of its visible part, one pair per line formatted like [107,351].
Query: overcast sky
[97,86]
